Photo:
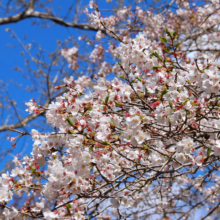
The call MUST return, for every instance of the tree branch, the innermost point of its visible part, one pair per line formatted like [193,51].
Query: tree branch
[29,13]
[31,4]
[29,118]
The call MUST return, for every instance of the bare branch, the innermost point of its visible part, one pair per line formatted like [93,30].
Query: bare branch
[31,4]
[29,118]
[36,14]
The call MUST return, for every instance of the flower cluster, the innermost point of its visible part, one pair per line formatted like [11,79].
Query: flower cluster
[71,55]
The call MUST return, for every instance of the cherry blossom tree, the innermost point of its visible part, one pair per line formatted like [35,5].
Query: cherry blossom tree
[139,139]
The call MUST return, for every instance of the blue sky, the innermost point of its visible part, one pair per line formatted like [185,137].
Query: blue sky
[11,58]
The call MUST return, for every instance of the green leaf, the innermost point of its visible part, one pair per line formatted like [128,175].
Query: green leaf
[119,63]
[117,104]
[155,67]
[89,107]
[186,101]
[69,121]
[169,120]
[165,91]
[155,54]
[106,142]
[166,50]
[145,147]
[68,206]
[171,68]
[106,99]
[175,33]
[146,90]
[112,124]
[207,67]
[170,104]
[66,98]
[208,151]
[177,44]
[167,32]
[163,40]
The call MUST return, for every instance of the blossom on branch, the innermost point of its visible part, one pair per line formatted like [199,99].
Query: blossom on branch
[132,143]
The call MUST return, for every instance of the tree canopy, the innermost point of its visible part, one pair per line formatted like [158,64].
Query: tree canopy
[126,113]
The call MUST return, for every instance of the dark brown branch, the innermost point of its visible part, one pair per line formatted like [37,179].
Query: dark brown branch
[35,14]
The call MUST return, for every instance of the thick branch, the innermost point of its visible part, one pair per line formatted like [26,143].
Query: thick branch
[30,13]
